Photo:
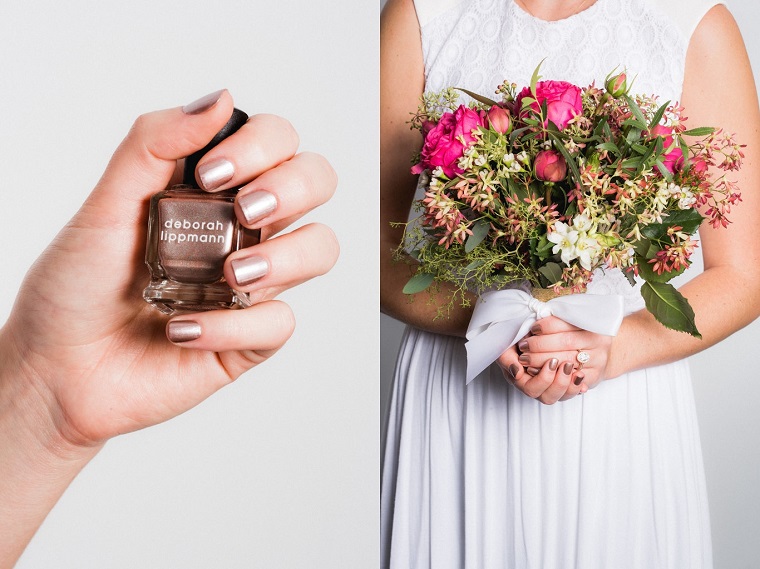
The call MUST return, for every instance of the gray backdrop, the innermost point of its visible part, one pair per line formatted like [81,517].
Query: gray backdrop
[727,388]
[279,469]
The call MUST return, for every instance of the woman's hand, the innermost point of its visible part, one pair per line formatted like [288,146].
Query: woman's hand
[544,364]
[80,332]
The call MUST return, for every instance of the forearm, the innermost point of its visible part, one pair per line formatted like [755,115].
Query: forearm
[724,300]
[36,463]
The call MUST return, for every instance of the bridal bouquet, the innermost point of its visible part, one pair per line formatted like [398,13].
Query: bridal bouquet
[554,181]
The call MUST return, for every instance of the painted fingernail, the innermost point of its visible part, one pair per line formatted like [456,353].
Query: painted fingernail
[249,269]
[523,345]
[216,173]
[203,104]
[579,379]
[567,369]
[179,331]
[257,205]
[535,329]
[553,363]
[532,370]
[524,359]
[514,370]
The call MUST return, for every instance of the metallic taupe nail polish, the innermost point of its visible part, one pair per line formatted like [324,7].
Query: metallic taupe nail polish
[579,379]
[524,359]
[514,369]
[249,269]
[567,368]
[553,363]
[190,234]
[532,370]
[257,205]
[535,329]
[203,104]
[216,173]
[180,331]
[522,345]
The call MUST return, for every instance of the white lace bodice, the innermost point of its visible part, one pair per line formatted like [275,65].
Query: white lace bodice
[477,44]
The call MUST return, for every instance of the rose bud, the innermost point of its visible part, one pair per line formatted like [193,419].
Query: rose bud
[550,166]
[617,85]
[499,119]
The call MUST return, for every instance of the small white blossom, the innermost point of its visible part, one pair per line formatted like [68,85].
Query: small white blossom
[564,239]
[588,251]
[582,222]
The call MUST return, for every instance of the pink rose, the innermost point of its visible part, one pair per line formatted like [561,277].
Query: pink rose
[550,166]
[444,143]
[672,160]
[563,101]
[499,119]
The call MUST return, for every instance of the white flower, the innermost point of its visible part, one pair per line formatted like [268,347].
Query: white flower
[564,239]
[582,222]
[687,200]
[588,250]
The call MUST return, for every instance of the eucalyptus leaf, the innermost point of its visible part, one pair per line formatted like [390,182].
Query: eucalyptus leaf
[669,307]
[478,98]
[419,282]
[479,232]
[700,131]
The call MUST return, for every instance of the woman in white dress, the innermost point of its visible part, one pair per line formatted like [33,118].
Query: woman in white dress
[492,475]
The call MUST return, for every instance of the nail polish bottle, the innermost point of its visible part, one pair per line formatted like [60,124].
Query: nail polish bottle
[190,234]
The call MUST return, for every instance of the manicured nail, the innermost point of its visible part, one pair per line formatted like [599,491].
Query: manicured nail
[215,173]
[523,345]
[179,331]
[249,269]
[579,379]
[257,205]
[584,388]
[524,359]
[553,363]
[203,104]
[535,329]
[567,369]
[514,369]
[532,370]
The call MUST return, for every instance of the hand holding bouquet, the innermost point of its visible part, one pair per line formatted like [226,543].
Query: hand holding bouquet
[555,181]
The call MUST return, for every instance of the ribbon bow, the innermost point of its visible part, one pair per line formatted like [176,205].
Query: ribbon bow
[501,318]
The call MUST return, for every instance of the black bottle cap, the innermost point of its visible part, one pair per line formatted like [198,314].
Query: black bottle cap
[237,120]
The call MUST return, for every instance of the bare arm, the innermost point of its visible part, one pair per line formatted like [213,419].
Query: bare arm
[401,85]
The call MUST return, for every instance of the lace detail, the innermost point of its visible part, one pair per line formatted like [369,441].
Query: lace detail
[613,281]
[479,43]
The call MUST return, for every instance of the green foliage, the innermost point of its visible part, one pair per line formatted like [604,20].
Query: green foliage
[669,307]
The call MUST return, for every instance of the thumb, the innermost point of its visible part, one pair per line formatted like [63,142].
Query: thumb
[144,162]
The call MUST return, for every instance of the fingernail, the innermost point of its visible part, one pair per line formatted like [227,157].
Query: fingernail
[257,205]
[514,369]
[249,269]
[524,359]
[567,369]
[584,388]
[179,331]
[203,104]
[535,329]
[523,345]
[553,363]
[215,173]
[579,379]
[533,370]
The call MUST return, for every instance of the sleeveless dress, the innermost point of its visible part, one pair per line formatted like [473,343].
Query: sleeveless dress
[483,477]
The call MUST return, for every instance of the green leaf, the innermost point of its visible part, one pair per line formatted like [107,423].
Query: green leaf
[635,124]
[544,247]
[552,272]
[474,265]
[479,232]
[535,77]
[635,110]
[663,170]
[669,307]
[569,159]
[419,282]
[699,131]
[688,219]
[478,98]
[609,147]
[658,115]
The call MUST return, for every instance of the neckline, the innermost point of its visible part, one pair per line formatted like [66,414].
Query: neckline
[525,14]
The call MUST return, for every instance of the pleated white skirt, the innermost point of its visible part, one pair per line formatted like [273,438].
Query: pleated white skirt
[483,477]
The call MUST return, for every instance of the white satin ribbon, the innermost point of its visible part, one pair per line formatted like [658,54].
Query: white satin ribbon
[501,318]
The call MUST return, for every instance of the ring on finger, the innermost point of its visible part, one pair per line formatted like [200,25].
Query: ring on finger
[582,358]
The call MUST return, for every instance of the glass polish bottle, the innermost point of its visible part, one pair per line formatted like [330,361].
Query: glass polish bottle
[190,234]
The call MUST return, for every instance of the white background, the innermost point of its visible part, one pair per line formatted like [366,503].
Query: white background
[727,389]
[279,469]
